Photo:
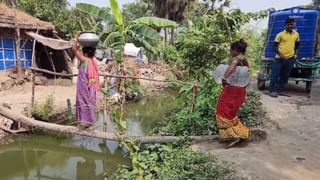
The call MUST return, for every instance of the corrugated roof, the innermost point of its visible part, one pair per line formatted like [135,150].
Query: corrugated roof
[8,16]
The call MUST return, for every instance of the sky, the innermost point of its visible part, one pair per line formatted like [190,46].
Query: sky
[244,5]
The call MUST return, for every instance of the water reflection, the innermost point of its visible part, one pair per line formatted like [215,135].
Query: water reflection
[44,156]
[51,158]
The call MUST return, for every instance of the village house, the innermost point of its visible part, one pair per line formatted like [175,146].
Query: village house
[17,33]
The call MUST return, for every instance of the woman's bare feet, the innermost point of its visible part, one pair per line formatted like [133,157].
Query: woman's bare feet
[233,143]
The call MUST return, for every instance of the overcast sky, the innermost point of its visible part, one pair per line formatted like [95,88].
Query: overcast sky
[244,5]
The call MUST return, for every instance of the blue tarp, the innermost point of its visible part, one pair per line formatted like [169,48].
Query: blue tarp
[8,53]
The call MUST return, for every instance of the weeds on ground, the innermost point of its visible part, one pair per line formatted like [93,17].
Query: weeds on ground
[44,110]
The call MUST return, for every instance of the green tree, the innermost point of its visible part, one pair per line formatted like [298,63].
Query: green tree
[140,31]
[135,10]
[256,41]
[54,11]
[96,19]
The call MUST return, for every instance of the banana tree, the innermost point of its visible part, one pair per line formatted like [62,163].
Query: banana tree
[140,32]
[98,18]
[116,32]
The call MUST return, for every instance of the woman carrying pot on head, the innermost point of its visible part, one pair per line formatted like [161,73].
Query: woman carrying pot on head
[232,97]
[87,84]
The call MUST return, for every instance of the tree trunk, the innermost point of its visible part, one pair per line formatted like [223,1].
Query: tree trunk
[94,133]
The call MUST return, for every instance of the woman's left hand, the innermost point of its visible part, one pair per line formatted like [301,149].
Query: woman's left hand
[224,82]
[77,35]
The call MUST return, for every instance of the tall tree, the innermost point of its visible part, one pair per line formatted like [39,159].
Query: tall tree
[135,10]
[55,11]
[316,3]
[171,9]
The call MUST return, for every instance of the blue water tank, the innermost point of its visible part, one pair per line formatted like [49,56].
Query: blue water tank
[8,53]
[306,24]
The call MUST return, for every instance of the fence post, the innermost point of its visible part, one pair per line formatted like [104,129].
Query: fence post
[104,105]
[33,79]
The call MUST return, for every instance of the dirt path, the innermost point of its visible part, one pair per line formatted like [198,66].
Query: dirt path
[19,97]
[292,149]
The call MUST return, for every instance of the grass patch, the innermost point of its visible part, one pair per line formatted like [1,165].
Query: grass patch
[43,111]
[172,162]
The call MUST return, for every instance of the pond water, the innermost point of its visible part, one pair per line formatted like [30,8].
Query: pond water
[52,156]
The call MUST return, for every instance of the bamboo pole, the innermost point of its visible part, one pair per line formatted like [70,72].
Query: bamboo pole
[95,133]
[18,53]
[165,36]
[33,74]
[107,75]
[33,50]
[104,106]
[33,86]
[172,35]
[17,29]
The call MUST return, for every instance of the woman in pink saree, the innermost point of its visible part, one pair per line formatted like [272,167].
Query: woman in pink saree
[87,85]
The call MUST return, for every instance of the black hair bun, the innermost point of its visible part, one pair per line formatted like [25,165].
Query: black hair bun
[243,43]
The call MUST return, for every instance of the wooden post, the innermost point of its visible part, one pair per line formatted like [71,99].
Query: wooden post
[172,35]
[17,43]
[165,36]
[104,106]
[33,77]
[33,51]
[33,74]
[18,39]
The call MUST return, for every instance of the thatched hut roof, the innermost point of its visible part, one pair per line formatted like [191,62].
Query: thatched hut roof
[9,16]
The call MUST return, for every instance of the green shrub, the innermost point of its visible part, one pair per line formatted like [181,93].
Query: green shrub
[250,111]
[202,120]
[133,90]
[170,54]
[170,162]
[43,111]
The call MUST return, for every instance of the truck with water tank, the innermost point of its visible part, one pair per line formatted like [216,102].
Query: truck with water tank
[306,66]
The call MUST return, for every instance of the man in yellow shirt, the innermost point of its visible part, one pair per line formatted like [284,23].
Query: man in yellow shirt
[286,47]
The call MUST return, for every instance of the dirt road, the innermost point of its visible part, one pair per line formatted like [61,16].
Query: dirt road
[292,149]
[19,97]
